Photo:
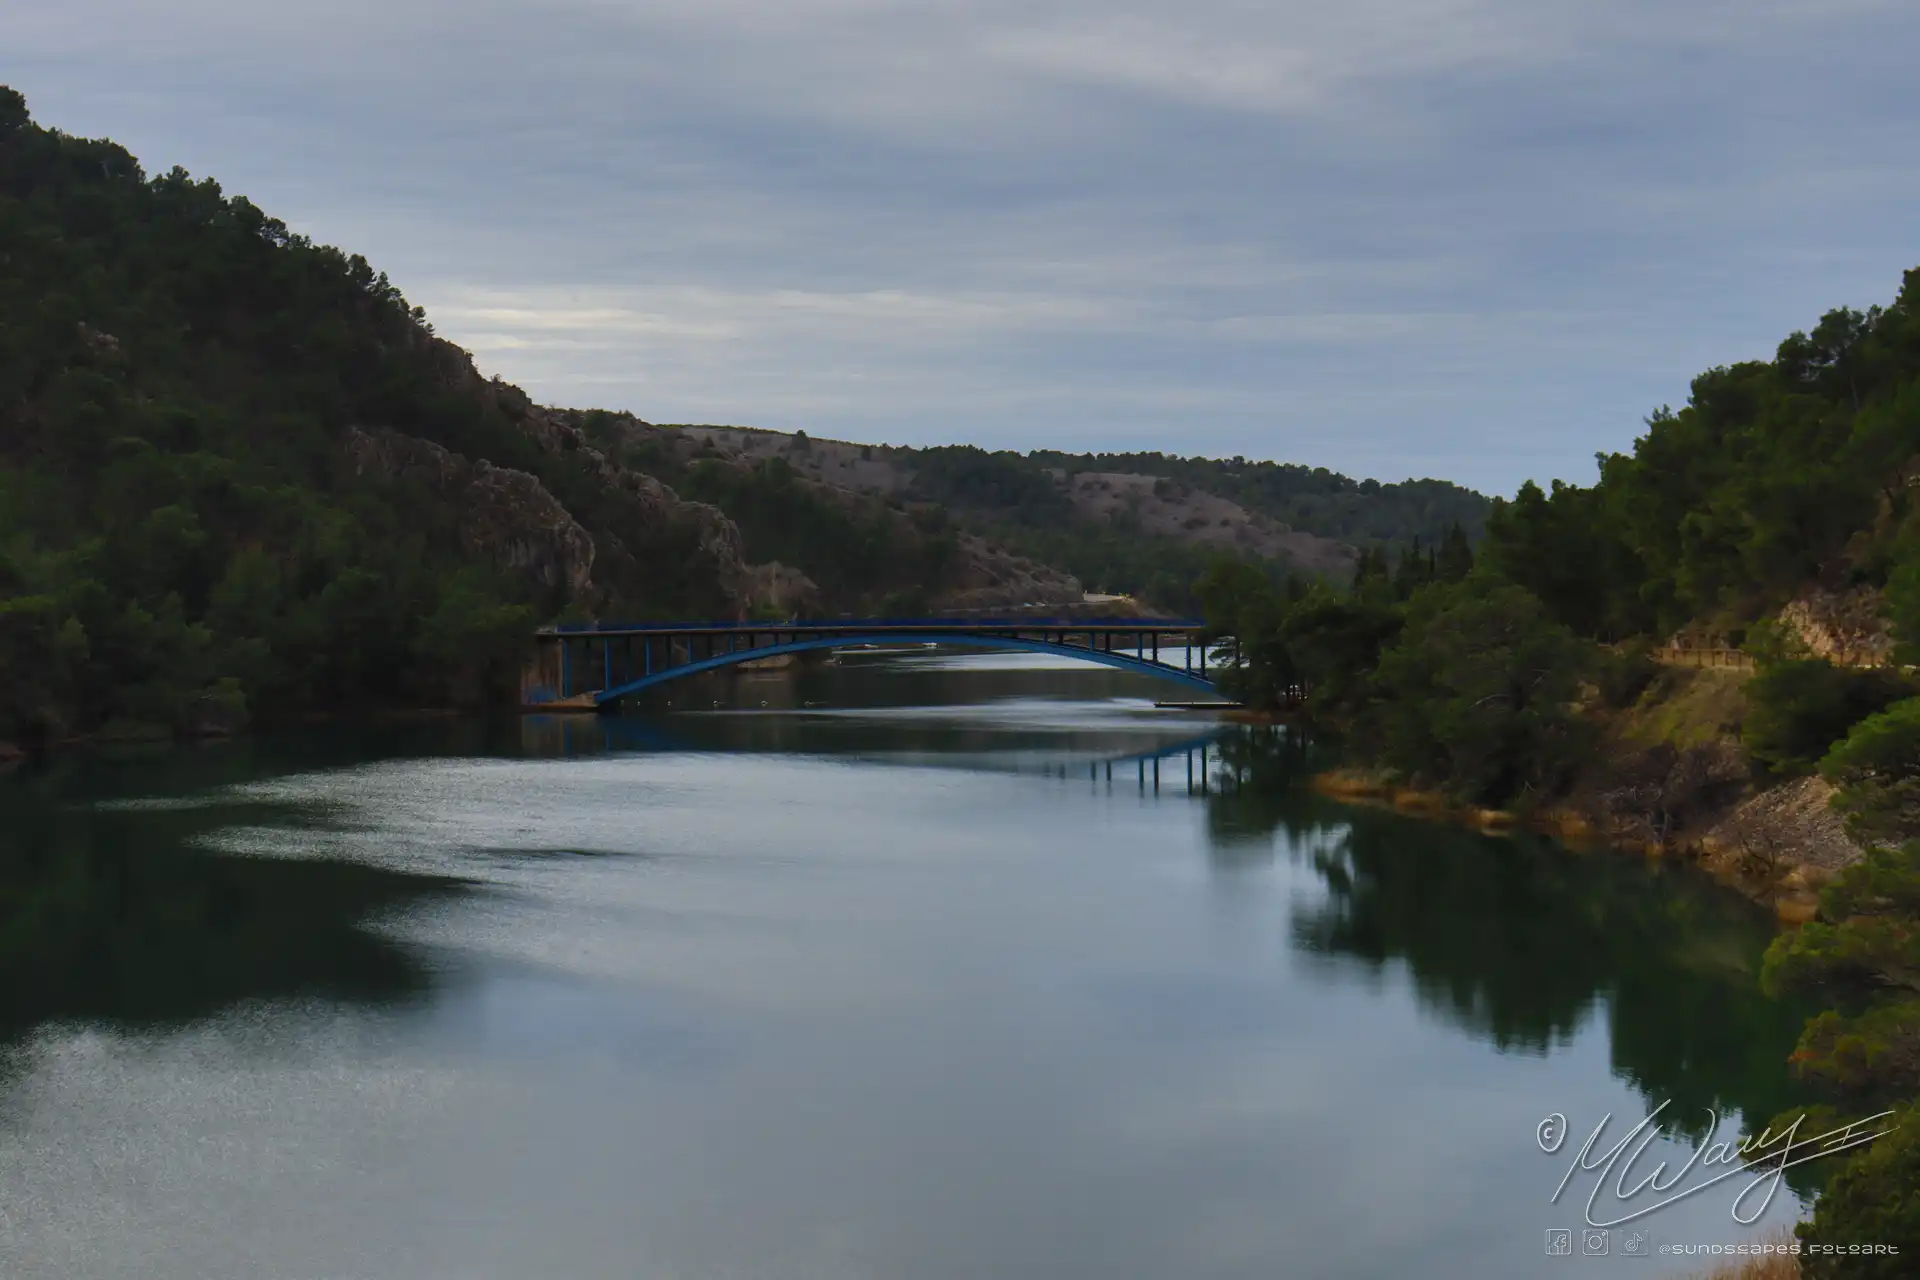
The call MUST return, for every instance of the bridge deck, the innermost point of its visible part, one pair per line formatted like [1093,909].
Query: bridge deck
[610,661]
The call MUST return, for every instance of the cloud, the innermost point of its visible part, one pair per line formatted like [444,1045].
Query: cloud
[1477,237]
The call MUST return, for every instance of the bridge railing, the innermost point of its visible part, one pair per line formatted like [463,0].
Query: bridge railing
[932,622]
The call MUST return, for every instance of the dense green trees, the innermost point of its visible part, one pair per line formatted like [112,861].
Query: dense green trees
[1244,601]
[1877,768]
[175,537]
[1863,1054]
[1871,1201]
[1455,679]
[1475,695]
[1773,475]
[1863,955]
[1464,686]
[1563,550]
[968,478]
[1798,707]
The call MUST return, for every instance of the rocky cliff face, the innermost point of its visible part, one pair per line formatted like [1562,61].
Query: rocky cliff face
[1166,509]
[986,577]
[613,538]
[1844,627]
[506,517]
[979,575]
[619,544]
[640,525]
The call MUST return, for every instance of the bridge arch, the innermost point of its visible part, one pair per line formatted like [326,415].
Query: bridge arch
[1195,680]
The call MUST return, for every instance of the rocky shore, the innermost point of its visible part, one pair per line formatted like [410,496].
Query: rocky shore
[1780,845]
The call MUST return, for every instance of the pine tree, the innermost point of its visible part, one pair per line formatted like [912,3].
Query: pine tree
[1455,558]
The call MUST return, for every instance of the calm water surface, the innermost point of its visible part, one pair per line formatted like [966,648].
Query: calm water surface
[974,967]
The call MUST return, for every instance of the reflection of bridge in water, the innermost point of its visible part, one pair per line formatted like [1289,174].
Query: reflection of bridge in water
[1193,763]
[599,664]
[1193,760]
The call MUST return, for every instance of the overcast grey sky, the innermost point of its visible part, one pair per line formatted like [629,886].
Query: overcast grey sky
[1476,239]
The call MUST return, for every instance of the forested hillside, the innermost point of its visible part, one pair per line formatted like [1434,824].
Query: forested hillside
[848,546]
[1038,488]
[1314,500]
[1118,528]
[1775,475]
[1143,524]
[1781,482]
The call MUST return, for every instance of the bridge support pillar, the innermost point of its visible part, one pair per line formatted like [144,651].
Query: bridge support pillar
[541,676]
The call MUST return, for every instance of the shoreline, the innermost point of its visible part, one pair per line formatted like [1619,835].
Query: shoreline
[1792,893]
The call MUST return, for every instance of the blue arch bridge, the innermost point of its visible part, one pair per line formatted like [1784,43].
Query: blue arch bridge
[598,664]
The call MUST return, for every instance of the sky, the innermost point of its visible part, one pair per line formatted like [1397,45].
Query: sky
[1471,239]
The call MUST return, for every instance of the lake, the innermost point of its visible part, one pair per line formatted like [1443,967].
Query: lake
[912,966]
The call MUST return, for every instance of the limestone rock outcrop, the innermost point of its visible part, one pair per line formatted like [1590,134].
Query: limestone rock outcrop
[506,517]
[627,537]
[1844,627]
[988,577]
[782,590]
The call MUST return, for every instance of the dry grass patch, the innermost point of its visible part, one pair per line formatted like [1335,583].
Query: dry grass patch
[1687,707]
[1770,1266]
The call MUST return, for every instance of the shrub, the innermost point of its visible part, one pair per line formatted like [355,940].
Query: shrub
[1799,707]
[1475,694]
[1623,673]
[1874,1199]
[1877,768]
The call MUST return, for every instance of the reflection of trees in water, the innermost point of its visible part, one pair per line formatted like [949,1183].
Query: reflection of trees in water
[1257,786]
[1519,940]
[116,916]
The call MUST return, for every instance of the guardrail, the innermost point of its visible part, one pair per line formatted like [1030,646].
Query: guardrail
[1024,622]
[1734,659]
